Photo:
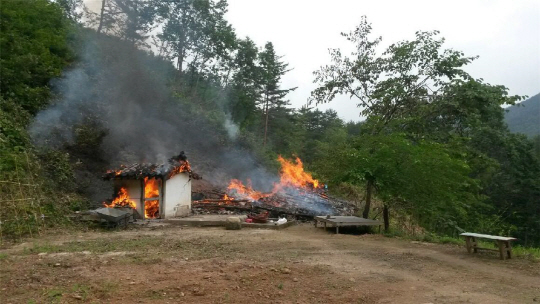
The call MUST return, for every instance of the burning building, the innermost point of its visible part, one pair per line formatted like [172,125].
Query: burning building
[154,190]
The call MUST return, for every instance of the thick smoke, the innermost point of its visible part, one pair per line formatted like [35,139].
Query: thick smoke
[128,94]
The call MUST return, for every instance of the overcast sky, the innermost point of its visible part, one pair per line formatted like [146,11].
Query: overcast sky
[505,34]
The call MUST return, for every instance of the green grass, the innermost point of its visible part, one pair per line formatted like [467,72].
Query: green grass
[155,294]
[518,251]
[105,289]
[528,252]
[449,240]
[54,295]
[3,256]
[81,290]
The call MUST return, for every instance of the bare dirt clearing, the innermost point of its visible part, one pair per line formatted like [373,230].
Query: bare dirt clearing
[300,264]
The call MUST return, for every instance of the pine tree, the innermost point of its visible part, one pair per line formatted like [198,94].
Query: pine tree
[272,95]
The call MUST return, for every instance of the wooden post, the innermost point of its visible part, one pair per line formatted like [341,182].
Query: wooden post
[502,250]
[324,226]
[337,229]
[509,249]
[161,188]
[143,200]
[468,243]
[474,244]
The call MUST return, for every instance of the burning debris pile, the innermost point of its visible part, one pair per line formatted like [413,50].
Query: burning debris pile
[297,194]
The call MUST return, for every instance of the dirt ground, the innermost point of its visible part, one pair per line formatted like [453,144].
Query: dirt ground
[300,264]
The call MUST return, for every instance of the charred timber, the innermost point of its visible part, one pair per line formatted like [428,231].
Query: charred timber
[211,200]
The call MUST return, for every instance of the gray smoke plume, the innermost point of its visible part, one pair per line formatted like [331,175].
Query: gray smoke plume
[231,127]
[127,93]
[127,98]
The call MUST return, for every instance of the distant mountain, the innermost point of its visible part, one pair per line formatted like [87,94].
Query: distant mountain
[526,117]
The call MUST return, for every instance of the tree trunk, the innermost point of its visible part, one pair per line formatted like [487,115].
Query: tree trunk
[266,121]
[136,25]
[369,190]
[100,27]
[180,61]
[386,217]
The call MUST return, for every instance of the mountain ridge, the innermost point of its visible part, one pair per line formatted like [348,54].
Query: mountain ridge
[525,117]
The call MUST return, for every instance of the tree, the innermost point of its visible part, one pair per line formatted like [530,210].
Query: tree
[391,86]
[536,143]
[245,83]
[461,109]
[272,70]
[34,44]
[34,48]
[419,90]
[425,178]
[195,33]
[131,20]
[319,128]
[73,9]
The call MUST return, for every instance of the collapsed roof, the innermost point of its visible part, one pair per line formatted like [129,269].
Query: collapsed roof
[173,166]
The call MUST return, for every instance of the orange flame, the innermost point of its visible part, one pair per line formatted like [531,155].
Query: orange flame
[227,198]
[121,200]
[116,172]
[185,167]
[151,190]
[245,190]
[292,175]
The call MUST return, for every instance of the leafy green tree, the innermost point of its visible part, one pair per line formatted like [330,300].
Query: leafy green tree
[195,33]
[536,145]
[469,116]
[34,48]
[461,109]
[34,44]
[131,20]
[73,9]
[424,177]
[391,85]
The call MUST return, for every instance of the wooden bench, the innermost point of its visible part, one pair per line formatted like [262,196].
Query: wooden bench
[505,248]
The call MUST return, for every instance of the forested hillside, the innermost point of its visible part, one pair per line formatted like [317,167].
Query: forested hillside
[525,117]
[139,81]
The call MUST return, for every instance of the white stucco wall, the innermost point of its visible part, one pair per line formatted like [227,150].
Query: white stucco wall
[177,200]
